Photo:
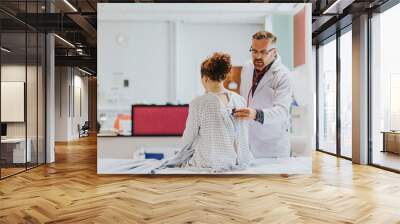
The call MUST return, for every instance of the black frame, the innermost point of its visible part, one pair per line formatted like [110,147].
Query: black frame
[369,83]
[30,29]
[152,135]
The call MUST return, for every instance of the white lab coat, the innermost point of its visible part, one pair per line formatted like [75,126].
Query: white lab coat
[273,96]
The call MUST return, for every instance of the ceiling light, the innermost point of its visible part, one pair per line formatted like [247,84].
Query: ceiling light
[331,7]
[84,71]
[70,5]
[64,40]
[5,50]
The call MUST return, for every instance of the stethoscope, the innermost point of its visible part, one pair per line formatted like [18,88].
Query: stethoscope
[236,136]
[254,84]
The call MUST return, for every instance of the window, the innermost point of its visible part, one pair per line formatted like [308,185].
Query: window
[346,94]
[22,74]
[327,97]
[385,89]
[394,101]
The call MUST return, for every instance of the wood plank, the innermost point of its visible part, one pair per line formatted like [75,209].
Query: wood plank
[70,191]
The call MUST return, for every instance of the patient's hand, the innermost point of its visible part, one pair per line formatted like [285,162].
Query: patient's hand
[245,113]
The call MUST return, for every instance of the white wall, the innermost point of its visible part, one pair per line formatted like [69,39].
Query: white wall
[133,51]
[69,82]
[161,60]
[143,59]
[61,103]
[198,41]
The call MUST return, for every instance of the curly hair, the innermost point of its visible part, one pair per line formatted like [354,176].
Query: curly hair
[216,67]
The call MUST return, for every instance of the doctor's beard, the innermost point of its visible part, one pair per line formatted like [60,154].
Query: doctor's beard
[259,64]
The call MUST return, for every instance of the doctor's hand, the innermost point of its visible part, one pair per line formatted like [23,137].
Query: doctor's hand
[245,113]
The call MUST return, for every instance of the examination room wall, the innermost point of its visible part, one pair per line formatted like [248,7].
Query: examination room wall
[162,61]
[234,39]
[171,65]
[135,52]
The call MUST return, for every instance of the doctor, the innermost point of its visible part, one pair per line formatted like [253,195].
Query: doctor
[266,86]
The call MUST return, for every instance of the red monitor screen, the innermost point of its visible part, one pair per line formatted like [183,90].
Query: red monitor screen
[157,120]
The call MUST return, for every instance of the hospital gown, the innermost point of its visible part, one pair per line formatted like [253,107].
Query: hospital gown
[219,141]
[213,139]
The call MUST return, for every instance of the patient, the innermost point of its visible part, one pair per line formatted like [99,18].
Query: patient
[213,139]
[217,139]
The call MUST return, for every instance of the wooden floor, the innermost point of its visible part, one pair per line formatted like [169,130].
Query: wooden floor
[387,159]
[70,191]
[5,172]
[9,171]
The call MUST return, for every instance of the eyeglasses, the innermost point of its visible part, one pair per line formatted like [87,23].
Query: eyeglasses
[262,52]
